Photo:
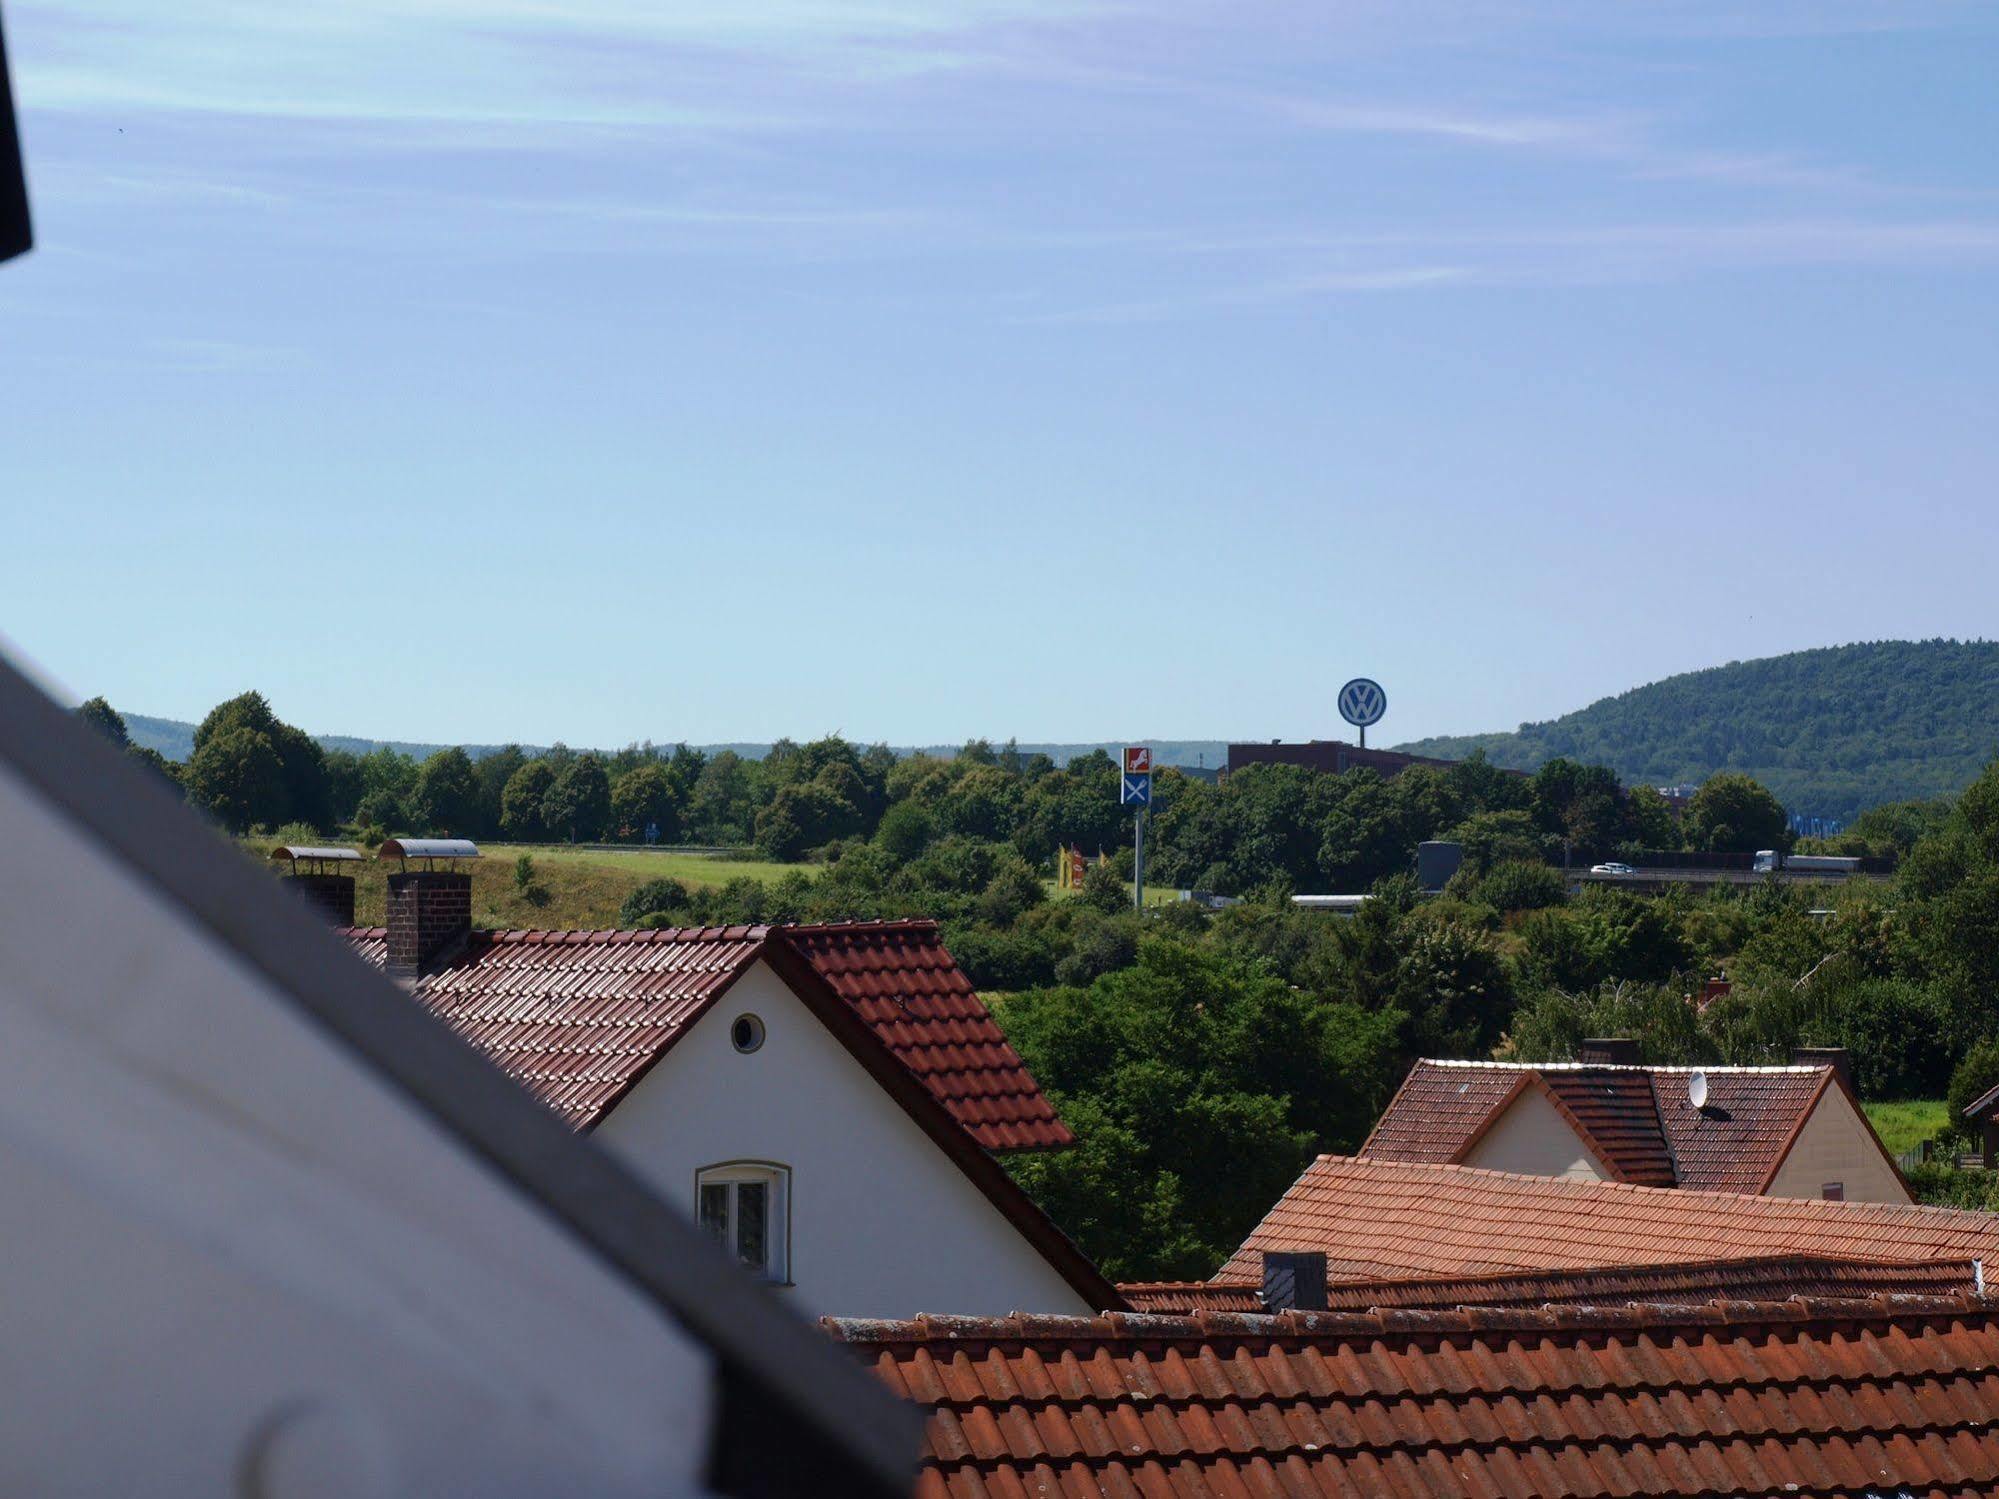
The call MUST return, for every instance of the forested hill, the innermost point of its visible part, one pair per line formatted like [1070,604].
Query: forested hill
[1831,731]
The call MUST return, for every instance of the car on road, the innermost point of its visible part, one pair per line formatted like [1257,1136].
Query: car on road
[1611,868]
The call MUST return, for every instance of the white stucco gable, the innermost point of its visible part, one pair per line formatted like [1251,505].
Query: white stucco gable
[1837,1147]
[881,1221]
[1532,1138]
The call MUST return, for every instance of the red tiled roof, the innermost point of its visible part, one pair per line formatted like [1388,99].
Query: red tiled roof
[1636,1119]
[901,980]
[1438,1110]
[1619,1116]
[1753,1114]
[1379,1220]
[1824,1397]
[577,1017]
[1771,1278]
[1183,1296]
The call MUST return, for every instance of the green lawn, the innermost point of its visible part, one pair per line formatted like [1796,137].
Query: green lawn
[1906,1124]
[651,864]
[575,887]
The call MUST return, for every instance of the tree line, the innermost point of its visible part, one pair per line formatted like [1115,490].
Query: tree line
[1288,824]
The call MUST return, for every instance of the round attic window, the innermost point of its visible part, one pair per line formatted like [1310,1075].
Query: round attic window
[747,1034]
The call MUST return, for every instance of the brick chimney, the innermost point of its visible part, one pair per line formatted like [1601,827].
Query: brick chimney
[316,874]
[1609,1051]
[430,919]
[331,894]
[1294,1281]
[1836,1057]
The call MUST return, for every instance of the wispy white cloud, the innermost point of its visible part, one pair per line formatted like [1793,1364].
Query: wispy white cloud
[1324,283]
[1588,134]
[584,62]
[1511,256]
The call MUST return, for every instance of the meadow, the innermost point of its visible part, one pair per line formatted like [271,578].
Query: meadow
[1904,1124]
[573,888]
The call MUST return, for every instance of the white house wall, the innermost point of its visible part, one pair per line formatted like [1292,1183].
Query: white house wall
[1534,1139]
[236,1262]
[1836,1146]
[882,1222]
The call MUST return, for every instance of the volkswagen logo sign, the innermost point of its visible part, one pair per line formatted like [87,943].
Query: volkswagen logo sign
[1362,702]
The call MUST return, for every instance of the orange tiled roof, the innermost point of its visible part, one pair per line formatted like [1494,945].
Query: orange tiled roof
[1183,1296]
[1769,1278]
[1379,1220]
[1883,1395]
[577,1017]
[1637,1119]
[900,979]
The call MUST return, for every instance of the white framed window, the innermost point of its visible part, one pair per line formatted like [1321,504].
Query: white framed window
[747,1206]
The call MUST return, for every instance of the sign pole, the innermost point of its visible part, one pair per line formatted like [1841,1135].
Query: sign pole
[1135,791]
[1138,861]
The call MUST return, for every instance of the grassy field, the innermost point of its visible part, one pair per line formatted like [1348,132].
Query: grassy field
[1905,1125]
[648,864]
[579,888]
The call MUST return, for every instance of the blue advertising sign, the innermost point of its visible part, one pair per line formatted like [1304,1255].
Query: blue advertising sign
[1362,702]
[1135,790]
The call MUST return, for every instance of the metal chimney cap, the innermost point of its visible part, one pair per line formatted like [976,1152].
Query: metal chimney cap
[297,851]
[429,848]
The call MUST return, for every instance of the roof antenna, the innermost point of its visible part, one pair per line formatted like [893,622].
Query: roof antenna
[1697,1089]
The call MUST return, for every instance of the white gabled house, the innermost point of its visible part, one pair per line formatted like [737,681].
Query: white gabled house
[1778,1131]
[827,1100]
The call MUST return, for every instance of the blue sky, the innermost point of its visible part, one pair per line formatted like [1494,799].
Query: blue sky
[609,369]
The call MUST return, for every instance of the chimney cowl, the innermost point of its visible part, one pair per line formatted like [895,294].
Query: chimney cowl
[1610,1051]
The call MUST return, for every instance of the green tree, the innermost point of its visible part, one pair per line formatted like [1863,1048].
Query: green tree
[107,720]
[158,764]
[447,794]
[578,803]
[723,804]
[1199,1086]
[302,794]
[521,802]
[646,795]
[905,831]
[985,803]
[492,772]
[1733,814]
[237,778]
[1494,838]
[346,784]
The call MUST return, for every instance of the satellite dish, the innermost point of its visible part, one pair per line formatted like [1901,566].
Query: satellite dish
[1697,1089]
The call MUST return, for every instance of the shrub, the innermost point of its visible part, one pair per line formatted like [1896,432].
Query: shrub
[665,898]
[1104,890]
[1518,885]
